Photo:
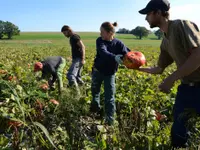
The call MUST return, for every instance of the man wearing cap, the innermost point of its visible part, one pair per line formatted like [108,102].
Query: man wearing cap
[180,44]
[52,68]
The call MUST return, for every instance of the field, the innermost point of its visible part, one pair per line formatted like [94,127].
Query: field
[29,118]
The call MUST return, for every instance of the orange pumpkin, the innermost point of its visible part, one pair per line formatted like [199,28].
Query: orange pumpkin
[160,117]
[3,72]
[10,78]
[134,59]
[14,123]
[54,101]
[44,87]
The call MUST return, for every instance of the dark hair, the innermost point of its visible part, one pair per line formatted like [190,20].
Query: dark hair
[164,13]
[66,28]
[195,26]
[109,27]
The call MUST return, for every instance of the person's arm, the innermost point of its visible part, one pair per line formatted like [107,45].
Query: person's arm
[152,70]
[54,76]
[42,76]
[60,83]
[164,60]
[192,63]
[190,40]
[102,50]
[124,49]
[82,46]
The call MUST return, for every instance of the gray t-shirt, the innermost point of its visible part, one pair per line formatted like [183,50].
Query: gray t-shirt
[182,37]
[50,66]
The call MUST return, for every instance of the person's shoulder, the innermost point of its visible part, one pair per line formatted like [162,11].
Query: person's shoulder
[75,36]
[99,39]
[184,24]
[117,41]
[174,23]
[180,22]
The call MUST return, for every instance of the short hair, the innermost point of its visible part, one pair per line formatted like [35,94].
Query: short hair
[66,28]
[164,13]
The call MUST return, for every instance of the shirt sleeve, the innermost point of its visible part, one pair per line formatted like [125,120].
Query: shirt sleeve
[76,38]
[102,50]
[54,74]
[124,49]
[189,35]
[164,58]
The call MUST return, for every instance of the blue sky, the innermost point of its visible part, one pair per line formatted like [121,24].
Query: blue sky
[87,15]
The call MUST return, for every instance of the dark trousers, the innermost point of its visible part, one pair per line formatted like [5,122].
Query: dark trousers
[187,100]
[109,91]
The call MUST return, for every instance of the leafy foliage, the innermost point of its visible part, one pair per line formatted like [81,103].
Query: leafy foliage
[159,34]
[8,29]
[140,32]
[124,31]
[25,109]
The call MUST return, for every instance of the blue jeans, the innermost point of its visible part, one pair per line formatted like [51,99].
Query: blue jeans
[74,72]
[109,92]
[188,98]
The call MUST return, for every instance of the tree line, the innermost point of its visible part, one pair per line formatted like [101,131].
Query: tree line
[8,29]
[140,32]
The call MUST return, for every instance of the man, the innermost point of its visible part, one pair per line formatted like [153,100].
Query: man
[78,57]
[52,68]
[181,44]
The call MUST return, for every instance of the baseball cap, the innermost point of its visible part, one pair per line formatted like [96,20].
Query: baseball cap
[155,5]
[38,66]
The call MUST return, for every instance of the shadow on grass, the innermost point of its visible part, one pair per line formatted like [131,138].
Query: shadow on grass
[5,39]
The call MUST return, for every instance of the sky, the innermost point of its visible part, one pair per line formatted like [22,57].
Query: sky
[87,15]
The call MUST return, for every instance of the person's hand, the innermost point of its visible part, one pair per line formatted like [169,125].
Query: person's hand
[166,85]
[118,59]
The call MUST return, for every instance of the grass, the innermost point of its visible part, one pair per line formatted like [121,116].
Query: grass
[89,38]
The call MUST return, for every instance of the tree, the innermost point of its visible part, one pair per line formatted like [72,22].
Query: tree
[1,29]
[123,30]
[10,29]
[159,34]
[140,32]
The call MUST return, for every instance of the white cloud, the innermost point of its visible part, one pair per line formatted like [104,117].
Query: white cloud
[186,12]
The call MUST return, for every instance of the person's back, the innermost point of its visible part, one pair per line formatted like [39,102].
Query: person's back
[75,48]
[50,64]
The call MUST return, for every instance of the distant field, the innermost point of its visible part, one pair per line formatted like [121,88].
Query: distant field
[57,38]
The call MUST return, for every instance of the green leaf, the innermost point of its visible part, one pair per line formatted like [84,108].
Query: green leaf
[45,132]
